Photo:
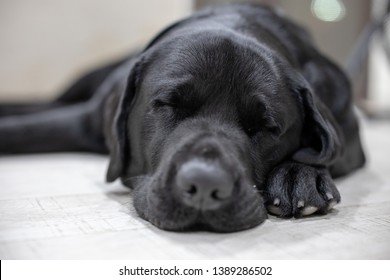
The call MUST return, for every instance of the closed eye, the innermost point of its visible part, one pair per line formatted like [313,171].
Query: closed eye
[261,126]
[175,108]
[163,103]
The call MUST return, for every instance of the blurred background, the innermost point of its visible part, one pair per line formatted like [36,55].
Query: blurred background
[45,44]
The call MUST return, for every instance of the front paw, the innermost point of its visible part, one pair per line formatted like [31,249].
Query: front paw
[295,189]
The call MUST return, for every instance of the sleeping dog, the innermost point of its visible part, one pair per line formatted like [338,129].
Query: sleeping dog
[223,116]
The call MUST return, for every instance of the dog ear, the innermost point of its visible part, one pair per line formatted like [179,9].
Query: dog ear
[321,139]
[119,142]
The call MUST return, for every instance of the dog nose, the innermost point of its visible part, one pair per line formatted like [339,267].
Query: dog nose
[204,186]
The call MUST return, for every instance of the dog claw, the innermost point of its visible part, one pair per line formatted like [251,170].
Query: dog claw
[329,196]
[332,204]
[275,210]
[300,204]
[276,202]
[309,210]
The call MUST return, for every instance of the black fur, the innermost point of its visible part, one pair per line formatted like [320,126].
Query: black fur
[238,86]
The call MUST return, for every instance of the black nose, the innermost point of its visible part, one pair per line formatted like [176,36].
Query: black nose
[202,185]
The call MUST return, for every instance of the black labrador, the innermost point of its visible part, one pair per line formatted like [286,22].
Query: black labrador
[223,115]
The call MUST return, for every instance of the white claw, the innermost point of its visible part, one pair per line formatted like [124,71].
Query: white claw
[332,204]
[300,204]
[309,210]
[329,196]
[274,210]
[276,202]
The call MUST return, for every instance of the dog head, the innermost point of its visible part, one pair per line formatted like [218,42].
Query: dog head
[205,116]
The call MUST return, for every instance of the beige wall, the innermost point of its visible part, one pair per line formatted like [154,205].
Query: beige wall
[46,43]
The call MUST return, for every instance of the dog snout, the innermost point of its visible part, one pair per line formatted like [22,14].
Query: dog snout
[203,185]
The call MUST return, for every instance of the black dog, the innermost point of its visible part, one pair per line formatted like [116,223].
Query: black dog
[223,114]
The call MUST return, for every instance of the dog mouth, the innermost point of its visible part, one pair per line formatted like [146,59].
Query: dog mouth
[167,211]
[200,189]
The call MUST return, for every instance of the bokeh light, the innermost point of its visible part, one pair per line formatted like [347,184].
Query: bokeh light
[328,10]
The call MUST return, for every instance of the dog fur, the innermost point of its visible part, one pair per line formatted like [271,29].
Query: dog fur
[238,89]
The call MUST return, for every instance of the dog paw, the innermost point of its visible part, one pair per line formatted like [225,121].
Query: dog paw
[295,189]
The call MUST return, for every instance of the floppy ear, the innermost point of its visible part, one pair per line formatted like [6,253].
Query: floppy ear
[119,142]
[320,140]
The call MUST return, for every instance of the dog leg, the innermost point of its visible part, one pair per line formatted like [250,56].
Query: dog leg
[15,109]
[69,128]
[295,189]
[353,156]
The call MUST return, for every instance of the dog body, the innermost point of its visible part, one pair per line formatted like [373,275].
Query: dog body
[224,114]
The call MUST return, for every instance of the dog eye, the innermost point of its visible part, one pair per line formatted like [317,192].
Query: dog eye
[162,103]
[275,130]
[174,108]
[172,100]
[254,129]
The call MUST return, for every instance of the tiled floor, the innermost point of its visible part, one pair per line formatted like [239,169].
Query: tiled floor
[58,207]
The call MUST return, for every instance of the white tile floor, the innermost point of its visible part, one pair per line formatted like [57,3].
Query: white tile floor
[58,207]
